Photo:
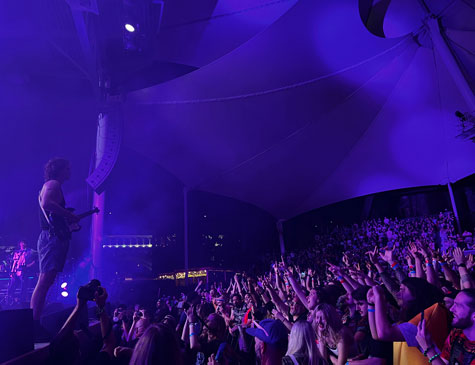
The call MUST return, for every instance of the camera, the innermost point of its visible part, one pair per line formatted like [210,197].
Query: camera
[88,291]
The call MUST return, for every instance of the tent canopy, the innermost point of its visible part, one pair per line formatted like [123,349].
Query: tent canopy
[315,109]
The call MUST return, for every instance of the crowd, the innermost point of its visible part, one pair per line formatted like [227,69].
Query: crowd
[383,292]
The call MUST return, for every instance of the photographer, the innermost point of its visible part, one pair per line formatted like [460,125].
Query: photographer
[121,324]
[65,347]
[140,322]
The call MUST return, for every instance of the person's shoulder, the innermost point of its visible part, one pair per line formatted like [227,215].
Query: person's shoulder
[52,184]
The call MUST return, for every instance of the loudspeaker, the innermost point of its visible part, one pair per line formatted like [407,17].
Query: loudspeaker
[109,137]
[16,333]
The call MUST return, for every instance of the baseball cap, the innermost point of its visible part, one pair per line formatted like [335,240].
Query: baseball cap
[270,331]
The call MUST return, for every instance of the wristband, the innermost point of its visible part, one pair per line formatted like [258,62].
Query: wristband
[192,334]
[339,277]
[394,264]
[371,304]
[462,265]
[433,358]
[411,267]
[371,310]
[442,263]
[428,264]
[412,272]
[427,350]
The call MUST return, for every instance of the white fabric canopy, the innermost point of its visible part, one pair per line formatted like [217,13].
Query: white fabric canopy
[313,110]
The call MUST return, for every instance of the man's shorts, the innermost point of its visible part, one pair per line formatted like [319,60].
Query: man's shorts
[52,252]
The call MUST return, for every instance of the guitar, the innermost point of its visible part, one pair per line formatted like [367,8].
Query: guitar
[19,263]
[63,228]
[74,227]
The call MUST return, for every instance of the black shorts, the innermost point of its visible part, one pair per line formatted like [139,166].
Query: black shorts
[51,252]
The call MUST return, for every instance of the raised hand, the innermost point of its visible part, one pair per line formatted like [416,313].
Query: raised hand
[370,296]
[424,252]
[470,262]
[388,255]
[423,337]
[372,255]
[345,259]
[413,249]
[458,256]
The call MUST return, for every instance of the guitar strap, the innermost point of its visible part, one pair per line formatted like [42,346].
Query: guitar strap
[44,213]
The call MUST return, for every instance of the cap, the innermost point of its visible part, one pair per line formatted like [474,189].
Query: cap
[270,331]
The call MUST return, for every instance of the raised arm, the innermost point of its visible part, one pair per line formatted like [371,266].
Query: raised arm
[466,281]
[386,332]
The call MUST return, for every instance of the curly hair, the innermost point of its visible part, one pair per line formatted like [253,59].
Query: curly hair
[54,167]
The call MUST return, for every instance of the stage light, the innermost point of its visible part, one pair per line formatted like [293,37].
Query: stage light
[130,28]
[64,294]
[64,285]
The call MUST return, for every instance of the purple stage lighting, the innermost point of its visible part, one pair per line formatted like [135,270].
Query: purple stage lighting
[64,294]
[64,285]
[130,28]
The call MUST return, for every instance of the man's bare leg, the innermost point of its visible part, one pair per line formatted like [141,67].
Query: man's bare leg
[45,280]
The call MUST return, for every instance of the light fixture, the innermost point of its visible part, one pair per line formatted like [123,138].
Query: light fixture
[129,28]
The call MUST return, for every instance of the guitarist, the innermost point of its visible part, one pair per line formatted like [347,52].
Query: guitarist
[53,242]
[22,260]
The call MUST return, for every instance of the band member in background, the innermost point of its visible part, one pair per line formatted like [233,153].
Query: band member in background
[53,242]
[22,261]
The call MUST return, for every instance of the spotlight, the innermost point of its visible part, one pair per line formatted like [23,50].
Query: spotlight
[130,28]
[64,285]
[64,294]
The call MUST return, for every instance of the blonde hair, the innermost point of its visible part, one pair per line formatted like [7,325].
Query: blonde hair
[331,334]
[302,341]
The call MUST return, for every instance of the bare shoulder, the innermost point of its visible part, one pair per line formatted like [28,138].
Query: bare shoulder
[52,184]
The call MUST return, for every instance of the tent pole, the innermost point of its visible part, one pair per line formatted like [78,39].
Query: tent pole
[454,207]
[280,229]
[185,230]
[443,49]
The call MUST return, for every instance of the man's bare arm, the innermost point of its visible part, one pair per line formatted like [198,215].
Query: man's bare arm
[51,197]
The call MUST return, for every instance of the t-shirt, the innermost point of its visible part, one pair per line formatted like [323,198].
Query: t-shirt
[458,349]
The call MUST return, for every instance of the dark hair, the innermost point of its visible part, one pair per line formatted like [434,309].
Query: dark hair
[471,294]
[54,167]
[158,345]
[236,295]
[216,325]
[425,295]
[360,293]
